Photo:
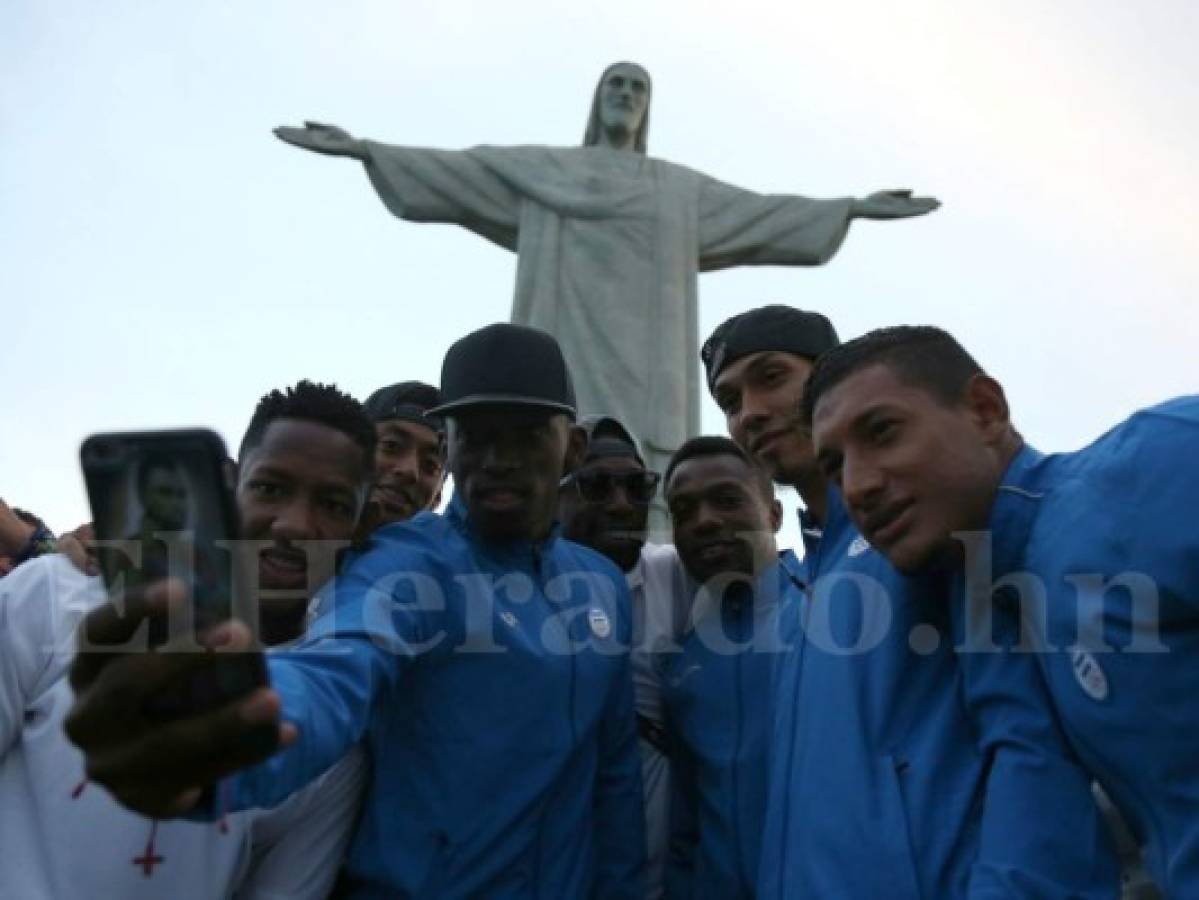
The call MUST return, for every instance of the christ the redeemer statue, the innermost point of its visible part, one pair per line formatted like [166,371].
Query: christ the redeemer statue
[609,242]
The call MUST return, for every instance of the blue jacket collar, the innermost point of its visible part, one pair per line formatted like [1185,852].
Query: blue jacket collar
[791,569]
[1014,510]
[810,532]
[836,520]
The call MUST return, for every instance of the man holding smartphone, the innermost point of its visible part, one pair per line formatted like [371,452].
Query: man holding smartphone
[482,659]
[304,472]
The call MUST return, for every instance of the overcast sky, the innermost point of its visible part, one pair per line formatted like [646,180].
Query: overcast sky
[164,260]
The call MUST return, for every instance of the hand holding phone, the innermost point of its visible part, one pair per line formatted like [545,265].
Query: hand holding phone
[171,686]
[160,767]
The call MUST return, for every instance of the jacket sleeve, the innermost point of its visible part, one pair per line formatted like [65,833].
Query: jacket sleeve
[297,848]
[386,614]
[619,805]
[1042,834]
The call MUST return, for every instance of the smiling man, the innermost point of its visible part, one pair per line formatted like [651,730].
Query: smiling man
[1098,546]
[304,474]
[409,461]
[920,795]
[718,688]
[482,660]
[857,709]
[301,493]
[604,501]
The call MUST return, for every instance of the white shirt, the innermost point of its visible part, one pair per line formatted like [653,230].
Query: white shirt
[64,838]
[661,608]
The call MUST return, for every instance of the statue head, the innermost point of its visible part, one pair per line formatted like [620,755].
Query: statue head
[620,104]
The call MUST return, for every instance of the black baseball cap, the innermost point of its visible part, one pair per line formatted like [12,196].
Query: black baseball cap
[506,365]
[408,400]
[608,437]
[773,327]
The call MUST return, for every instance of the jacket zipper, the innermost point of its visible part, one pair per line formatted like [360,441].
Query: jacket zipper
[570,706]
[808,597]
[539,580]
[739,737]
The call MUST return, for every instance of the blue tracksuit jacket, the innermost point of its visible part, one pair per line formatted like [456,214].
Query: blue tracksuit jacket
[887,777]
[491,685]
[1111,533]
[717,695]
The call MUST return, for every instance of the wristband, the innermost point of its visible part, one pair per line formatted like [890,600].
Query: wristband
[40,542]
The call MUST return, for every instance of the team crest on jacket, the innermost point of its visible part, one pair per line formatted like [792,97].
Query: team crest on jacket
[601,627]
[859,546]
[1088,674]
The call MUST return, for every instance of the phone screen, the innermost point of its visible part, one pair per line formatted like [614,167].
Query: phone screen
[162,506]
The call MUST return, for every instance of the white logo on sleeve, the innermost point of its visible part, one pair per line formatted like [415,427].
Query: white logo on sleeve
[509,618]
[600,626]
[859,546]
[1088,674]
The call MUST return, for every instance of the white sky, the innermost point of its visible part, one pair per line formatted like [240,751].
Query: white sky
[164,260]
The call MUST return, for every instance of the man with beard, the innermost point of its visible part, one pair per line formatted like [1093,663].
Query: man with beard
[718,688]
[884,779]
[603,504]
[409,465]
[303,477]
[481,658]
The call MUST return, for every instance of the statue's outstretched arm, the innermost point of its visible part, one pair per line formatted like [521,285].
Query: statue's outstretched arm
[898,204]
[327,139]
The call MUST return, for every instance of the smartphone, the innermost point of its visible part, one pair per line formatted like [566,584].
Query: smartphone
[162,505]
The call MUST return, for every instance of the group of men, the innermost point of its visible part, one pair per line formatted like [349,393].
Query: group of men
[521,697]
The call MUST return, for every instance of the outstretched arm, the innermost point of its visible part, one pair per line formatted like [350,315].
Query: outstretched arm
[897,204]
[319,702]
[741,228]
[424,185]
[327,139]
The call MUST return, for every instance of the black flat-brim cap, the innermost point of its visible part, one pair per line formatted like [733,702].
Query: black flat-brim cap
[409,401]
[506,365]
[775,327]
[607,437]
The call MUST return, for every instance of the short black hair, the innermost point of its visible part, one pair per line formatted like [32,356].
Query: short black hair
[718,445]
[29,518]
[312,402]
[153,461]
[924,356]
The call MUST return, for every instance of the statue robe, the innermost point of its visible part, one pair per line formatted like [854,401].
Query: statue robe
[609,244]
